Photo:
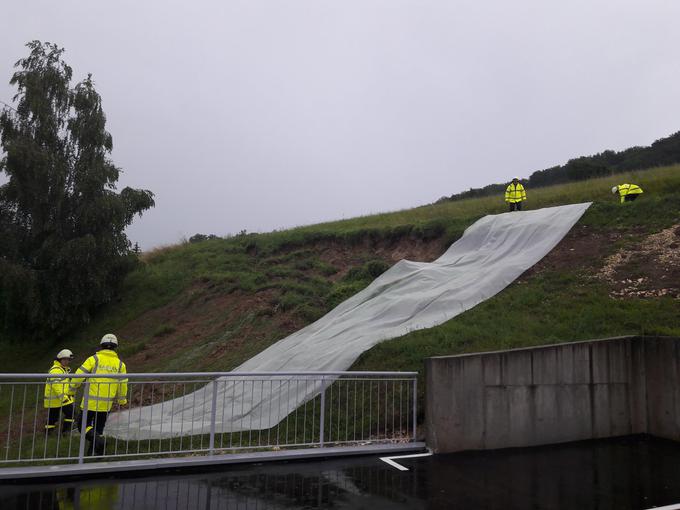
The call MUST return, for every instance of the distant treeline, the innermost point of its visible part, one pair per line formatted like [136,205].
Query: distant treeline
[665,151]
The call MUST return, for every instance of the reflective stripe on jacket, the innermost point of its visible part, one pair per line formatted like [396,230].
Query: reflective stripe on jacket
[57,393]
[515,193]
[629,189]
[103,391]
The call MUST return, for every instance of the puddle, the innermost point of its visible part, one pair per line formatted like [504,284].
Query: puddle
[627,473]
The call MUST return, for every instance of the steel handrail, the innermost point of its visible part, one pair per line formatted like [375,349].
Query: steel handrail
[148,375]
[299,408]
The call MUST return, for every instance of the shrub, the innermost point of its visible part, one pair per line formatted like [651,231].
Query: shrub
[368,271]
[375,268]
[342,291]
[290,300]
[163,330]
[197,238]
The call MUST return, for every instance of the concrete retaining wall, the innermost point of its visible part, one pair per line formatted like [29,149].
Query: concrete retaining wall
[554,394]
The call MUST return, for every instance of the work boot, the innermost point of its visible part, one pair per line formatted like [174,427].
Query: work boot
[99,444]
[90,438]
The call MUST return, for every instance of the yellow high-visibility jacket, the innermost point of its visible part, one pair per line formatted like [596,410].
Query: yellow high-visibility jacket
[57,393]
[515,193]
[103,391]
[629,189]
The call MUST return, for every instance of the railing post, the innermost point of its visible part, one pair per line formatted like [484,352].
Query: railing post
[83,421]
[323,412]
[213,415]
[415,405]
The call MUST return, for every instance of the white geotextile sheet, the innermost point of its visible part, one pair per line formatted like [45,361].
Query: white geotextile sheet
[491,254]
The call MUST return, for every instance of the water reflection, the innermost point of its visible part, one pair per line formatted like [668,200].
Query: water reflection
[633,473]
[348,484]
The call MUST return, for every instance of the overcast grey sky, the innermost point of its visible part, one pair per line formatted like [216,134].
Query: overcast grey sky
[268,114]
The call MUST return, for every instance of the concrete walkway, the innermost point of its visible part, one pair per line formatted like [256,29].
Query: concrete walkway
[94,469]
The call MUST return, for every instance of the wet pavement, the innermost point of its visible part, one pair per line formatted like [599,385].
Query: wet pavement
[633,473]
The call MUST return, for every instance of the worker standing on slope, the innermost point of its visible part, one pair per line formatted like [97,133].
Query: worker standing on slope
[102,391]
[58,399]
[515,195]
[627,192]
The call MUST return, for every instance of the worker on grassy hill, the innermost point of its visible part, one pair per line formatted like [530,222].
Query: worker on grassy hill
[58,398]
[102,391]
[515,195]
[627,192]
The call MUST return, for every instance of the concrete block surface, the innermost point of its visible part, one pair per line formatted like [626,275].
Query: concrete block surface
[553,394]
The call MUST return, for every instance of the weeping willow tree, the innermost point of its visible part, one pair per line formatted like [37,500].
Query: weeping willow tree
[63,248]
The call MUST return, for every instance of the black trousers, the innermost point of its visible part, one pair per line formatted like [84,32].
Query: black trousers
[630,198]
[515,206]
[95,420]
[55,414]
[94,428]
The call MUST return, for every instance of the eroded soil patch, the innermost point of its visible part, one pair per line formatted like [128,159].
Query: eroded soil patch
[582,248]
[344,256]
[209,327]
[648,268]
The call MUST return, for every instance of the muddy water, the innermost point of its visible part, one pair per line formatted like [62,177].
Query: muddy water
[632,473]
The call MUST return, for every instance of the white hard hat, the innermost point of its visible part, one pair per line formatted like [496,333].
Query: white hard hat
[65,353]
[615,189]
[515,178]
[109,338]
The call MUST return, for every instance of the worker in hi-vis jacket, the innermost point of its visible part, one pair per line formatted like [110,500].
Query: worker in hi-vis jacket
[627,192]
[515,195]
[102,391]
[58,398]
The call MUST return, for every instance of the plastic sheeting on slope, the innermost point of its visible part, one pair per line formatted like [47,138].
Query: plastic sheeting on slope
[491,254]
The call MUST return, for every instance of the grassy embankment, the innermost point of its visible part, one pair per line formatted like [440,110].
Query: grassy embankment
[248,291]
[272,284]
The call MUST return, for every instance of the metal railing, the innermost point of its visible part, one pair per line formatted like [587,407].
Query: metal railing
[188,414]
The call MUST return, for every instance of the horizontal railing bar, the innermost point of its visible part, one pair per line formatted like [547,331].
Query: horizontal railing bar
[134,381]
[206,381]
[207,374]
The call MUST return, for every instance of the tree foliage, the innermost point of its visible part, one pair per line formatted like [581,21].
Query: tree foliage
[63,248]
[665,151]
[199,238]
